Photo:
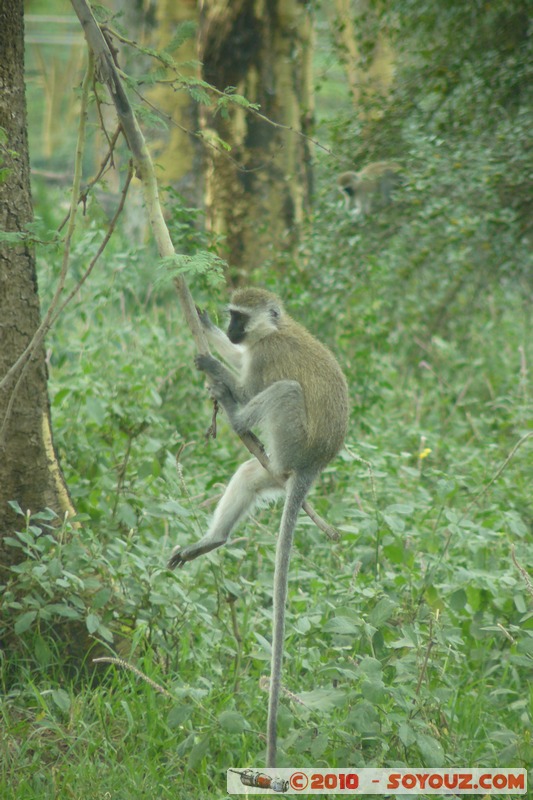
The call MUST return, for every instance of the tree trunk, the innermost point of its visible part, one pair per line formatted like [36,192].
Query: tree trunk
[257,194]
[177,153]
[365,50]
[29,471]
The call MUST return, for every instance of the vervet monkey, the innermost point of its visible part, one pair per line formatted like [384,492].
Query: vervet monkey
[292,388]
[369,188]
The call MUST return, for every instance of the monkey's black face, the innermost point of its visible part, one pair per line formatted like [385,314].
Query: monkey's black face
[237,326]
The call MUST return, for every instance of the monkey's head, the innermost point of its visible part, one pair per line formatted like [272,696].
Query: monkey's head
[348,184]
[255,313]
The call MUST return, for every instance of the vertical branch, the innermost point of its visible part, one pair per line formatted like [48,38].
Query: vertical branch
[106,72]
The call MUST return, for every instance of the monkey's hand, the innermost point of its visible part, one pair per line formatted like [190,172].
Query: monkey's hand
[205,319]
[222,384]
[212,367]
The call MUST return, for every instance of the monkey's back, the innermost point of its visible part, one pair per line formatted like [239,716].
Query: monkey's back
[292,353]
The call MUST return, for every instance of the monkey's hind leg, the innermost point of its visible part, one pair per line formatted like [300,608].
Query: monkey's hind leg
[250,484]
[280,411]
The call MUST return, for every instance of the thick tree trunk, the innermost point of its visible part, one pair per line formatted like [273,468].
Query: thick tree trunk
[29,471]
[257,194]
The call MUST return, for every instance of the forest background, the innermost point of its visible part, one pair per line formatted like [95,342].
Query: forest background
[410,640]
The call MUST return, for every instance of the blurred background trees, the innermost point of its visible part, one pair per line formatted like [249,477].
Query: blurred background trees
[258,192]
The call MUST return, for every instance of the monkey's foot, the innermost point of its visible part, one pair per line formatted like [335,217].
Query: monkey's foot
[177,558]
[180,555]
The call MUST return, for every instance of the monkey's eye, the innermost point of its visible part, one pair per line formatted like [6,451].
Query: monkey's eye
[237,326]
[240,317]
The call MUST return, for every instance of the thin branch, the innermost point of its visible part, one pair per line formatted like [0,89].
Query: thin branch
[107,73]
[181,84]
[497,474]
[169,119]
[104,166]
[100,250]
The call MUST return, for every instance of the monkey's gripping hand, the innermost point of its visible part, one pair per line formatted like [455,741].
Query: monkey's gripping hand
[205,320]
[222,384]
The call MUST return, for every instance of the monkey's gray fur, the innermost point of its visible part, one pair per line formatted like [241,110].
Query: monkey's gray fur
[370,188]
[292,388]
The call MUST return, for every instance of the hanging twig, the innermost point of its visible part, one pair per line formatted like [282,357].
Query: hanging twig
[107,163]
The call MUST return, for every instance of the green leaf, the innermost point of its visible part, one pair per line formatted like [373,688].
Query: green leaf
[382,611]
[364,718]
[400,508]
[199,95]
[101,597]
[184,32]
[24,622]
[92,621]
[63,610]
[430,750]
[178,715]
[198,752]
[302,625]
[43,653]
[373,691]
[343,625]
[61,699]
[319,745]
[105,633]
[12,237]
[95,410]
[370,666]
[457,600]
[201,263]
[396,524]
[322,699]
[55,568]
[406,734]
[232,721]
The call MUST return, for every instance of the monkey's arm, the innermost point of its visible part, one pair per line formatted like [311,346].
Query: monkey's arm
[223,386]
[232,353]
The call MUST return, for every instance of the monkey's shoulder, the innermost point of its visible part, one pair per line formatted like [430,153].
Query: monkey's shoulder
[291,342]
[292,353]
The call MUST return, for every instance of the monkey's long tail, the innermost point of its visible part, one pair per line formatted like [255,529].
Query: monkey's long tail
[297,487]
